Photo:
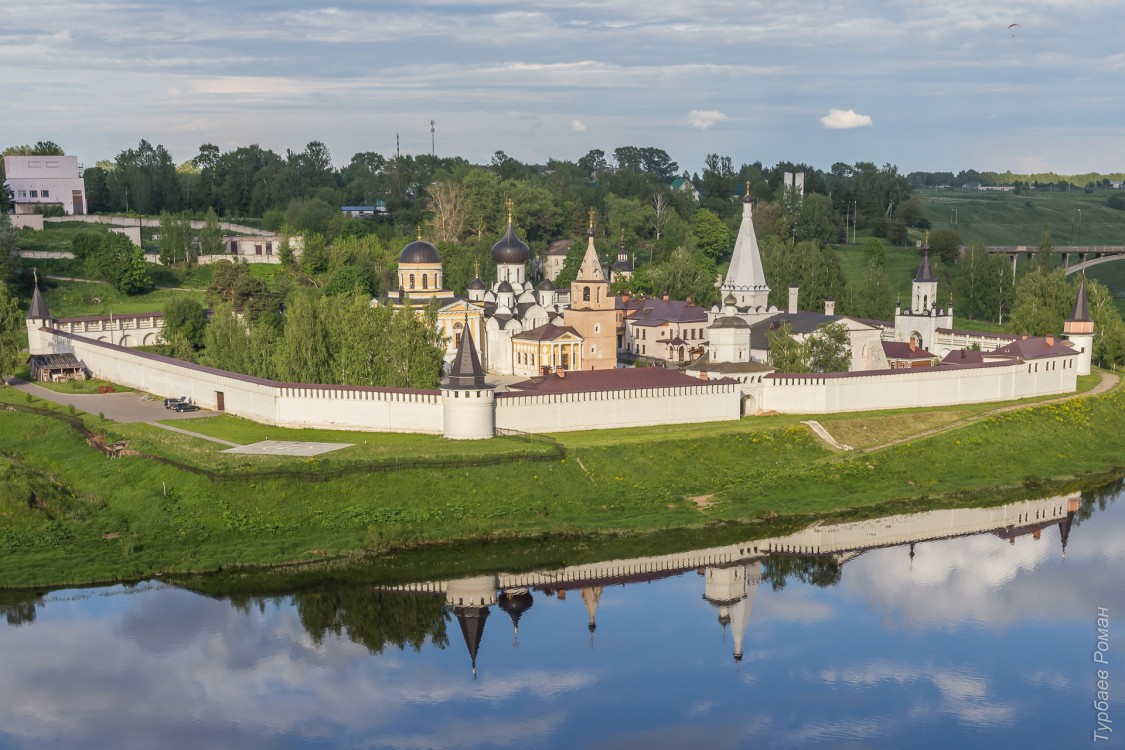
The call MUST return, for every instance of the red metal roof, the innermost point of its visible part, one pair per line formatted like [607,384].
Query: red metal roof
[628,378]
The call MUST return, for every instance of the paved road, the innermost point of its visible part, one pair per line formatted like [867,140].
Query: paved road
[120,407]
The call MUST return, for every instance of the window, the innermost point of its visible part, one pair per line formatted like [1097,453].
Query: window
[425,281]
[597,327]
[34,193]
[269,248]
[23,193]
[585,294]
[411,281]
[46,194]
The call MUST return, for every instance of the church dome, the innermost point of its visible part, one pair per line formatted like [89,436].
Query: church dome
[730,300]
[547,286]
[476,285]
[419,251]
[504,287]
[510,249]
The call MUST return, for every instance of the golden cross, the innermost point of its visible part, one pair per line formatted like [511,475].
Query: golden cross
[592,214]
[476,269]
[509,204]
[419,232]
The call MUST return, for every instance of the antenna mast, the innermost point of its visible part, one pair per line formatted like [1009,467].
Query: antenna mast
[433,147]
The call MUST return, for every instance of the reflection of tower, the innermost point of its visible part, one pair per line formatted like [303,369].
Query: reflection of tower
[732,591]
[470,599]
[515,602]
[1066,523]
[591,596]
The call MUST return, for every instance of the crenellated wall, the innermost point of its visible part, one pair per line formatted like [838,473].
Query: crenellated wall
[564,412]
[921,386]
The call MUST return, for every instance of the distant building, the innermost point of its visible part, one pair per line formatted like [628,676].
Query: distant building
[683,185]
[44,181]
[365,212]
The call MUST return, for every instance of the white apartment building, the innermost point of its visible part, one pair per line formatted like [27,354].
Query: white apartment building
[45,181]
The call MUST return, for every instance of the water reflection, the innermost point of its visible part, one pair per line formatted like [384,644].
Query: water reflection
[966,626]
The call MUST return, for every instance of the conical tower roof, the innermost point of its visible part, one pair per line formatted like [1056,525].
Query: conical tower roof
[472,621]
[591,269]
[1081,312]
[925,271]
[38,308]
[465,370]
[746,271]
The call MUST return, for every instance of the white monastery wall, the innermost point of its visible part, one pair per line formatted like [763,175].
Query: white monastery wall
[270,402]
[922,386]
[599,410]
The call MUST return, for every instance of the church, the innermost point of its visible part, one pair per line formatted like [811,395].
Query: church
[521,330]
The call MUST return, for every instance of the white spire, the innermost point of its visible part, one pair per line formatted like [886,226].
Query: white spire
[746,278]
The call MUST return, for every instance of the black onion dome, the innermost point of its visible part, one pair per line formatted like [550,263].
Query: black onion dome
[547,286]
[515,603]
[504,287]
[510,248]
[476,285]
[419,251]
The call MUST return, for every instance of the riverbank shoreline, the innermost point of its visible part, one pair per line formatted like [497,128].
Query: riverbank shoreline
[74,517]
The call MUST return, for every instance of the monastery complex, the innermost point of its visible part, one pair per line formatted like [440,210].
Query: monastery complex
[527,359]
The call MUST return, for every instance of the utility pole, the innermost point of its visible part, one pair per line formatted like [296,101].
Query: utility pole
[398,153]
[433,146]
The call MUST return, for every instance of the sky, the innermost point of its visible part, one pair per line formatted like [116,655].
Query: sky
[923,85]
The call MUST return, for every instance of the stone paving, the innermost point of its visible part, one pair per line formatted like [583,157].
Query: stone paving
[287,448]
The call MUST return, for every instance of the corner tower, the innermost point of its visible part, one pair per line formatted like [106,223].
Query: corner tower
[1079,329]
[592,311]
[38,317]
[468,405]
[921,322]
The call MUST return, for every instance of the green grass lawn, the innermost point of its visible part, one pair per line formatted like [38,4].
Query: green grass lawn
[1009,219]
[72,298]
[71,515]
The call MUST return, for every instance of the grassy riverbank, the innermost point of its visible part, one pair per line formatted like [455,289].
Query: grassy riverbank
[68,515]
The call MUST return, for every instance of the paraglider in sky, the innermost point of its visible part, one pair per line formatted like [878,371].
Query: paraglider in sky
[1014,26]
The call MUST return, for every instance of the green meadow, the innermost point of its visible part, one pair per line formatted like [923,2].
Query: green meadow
[72,516]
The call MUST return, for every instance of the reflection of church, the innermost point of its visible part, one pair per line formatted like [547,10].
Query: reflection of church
[520,330]
[733,574]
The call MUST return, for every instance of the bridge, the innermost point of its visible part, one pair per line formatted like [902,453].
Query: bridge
[1087,255]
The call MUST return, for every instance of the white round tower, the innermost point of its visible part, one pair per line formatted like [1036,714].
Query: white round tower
[468,405]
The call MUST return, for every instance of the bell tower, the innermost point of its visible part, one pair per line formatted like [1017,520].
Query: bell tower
[592,310]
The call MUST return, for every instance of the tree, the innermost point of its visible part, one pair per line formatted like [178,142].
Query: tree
[175,239]
[872,297]
[211,235]
[660,211]
[815,221]
[711,235]
[184,317]
[12,332]
[314,255]
[785,353]
[874,253]
[1043,300]
[593,162]
[982,285]
[1109,331]
[1045,253]
[9,259]
[625,217]
[686,274]
[945,244]
[118,261]
[349,280]
[828,349]
[447,204]
[303,355]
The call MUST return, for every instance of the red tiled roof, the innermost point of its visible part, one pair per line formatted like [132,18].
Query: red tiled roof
[902,350]
[1034,347]
[628,378]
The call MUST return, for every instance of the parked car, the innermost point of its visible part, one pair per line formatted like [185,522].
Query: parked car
[182,406]
[170,403]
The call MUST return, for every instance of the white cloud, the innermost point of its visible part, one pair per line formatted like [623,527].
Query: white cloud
[578,126]
[839,119]
[705,118]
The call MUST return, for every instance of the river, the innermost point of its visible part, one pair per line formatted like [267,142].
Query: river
[966,629]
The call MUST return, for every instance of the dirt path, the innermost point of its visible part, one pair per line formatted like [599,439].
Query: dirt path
[1108,382]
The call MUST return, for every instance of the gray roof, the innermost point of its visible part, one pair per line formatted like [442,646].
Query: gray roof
[465,370]
[510,248]
[925,272]
[1081,313]
[800,322]
[38,308]
[419,251]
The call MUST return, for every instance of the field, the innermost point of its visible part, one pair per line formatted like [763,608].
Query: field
[70,515]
